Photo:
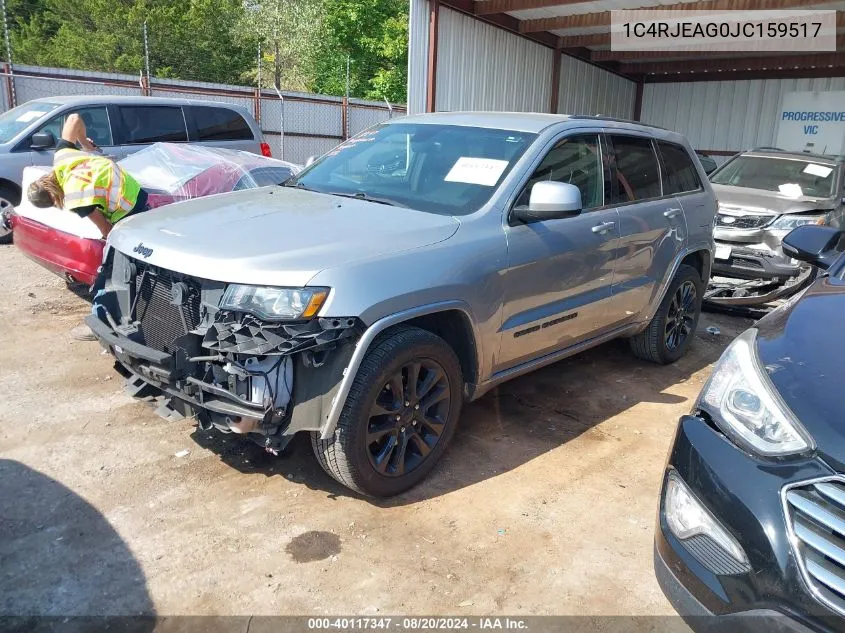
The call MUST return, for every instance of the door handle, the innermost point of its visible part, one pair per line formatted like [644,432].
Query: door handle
[604,227]
[671,213]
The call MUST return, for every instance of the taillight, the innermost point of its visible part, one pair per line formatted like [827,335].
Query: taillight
[265,150]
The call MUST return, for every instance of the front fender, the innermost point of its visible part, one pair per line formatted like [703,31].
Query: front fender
[362,346]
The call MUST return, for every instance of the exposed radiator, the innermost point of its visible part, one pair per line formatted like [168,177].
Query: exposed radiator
[162,322]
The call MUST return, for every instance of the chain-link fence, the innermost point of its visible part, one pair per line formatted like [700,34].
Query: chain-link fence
[296,125]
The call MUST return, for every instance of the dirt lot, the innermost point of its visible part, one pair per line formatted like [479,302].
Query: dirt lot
[544,503]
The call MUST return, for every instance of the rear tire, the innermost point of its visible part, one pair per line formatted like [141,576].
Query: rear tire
[9,197]
[671,331]
[399,416]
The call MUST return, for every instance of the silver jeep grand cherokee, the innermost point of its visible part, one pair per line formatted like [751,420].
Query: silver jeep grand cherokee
[408,271]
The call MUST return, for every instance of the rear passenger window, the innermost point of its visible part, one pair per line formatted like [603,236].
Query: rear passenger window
[680,173]
[576,160]
[152,124]
[220,124]
[637,174]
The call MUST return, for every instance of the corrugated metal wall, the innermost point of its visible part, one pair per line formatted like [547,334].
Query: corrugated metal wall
[482,67]
[725,115]
[417,55]
[587,89]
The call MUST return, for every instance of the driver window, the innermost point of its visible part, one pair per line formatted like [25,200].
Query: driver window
[96,125]
[575,160]
[54,126]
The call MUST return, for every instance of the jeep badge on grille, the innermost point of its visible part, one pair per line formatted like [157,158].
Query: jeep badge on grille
[143,251]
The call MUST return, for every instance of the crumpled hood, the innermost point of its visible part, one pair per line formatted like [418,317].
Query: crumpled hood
[276,236]
[768,201]
[802,346]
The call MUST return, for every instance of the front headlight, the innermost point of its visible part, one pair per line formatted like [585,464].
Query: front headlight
[744,404]
[789,222]
[274,304]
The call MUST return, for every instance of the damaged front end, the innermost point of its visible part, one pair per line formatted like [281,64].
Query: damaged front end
[749,267]
[230,369]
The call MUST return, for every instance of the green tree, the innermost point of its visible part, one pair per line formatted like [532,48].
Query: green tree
[305,44]
[374,36]
[71,34]
[390,81]
[31,27]
[188,38]
[193,40]
[287,32]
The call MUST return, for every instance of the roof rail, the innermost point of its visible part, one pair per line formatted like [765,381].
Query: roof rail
[598,117]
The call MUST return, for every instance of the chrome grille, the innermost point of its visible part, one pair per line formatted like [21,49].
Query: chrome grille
[160,321]
[816,517]
[730,221]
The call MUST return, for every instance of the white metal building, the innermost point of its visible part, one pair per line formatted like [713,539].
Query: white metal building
[554,56]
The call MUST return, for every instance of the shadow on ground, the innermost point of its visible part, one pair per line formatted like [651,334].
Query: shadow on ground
[517,422]
[60,557]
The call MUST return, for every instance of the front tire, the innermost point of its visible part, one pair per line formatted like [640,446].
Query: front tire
[10,197]
[670,332]
[399,416]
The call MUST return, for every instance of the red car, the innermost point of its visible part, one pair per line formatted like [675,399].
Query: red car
[72,247]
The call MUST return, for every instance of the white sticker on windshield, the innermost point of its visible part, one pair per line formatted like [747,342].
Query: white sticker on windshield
[791,189]
[26,117]
[476,171]
[818,170]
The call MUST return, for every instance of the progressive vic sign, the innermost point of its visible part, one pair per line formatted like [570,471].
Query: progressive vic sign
[812,121]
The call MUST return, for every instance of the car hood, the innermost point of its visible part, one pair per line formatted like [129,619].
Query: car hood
[802,346]
[275,236]
[768,201]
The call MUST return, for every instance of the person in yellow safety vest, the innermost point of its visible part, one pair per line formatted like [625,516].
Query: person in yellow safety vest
[90,185]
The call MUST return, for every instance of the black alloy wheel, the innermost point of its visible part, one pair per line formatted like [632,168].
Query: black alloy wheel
[671,330]
[680,319]
[408,417]
[400,414]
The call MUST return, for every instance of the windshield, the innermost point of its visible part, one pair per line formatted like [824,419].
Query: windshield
[791,177]
[446,169]
[16,119]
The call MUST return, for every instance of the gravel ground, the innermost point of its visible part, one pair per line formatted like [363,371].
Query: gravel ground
[544,504]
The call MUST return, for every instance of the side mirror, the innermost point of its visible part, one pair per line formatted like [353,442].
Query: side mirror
[816,245]
[550,200]
[310,160]
[43,140]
